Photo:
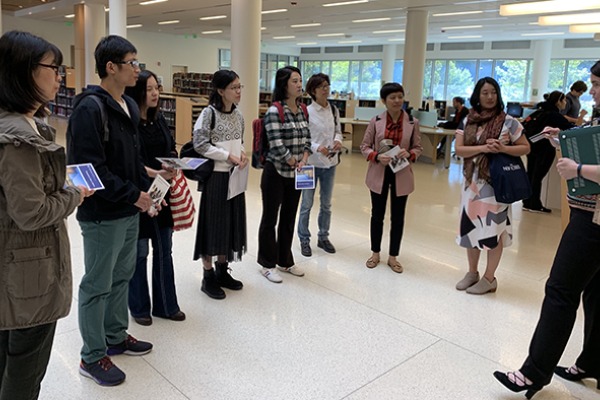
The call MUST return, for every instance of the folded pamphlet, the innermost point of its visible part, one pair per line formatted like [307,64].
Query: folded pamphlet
[83,175]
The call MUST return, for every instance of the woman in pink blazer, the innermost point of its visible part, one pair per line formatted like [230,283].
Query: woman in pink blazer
[393,131]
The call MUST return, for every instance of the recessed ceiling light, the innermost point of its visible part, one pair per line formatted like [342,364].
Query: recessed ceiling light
[213,17]
[569,19]
[396,40]
[330,34]
[305,25]
[134,26]
[262,28]
[449,28]
[465,37]
[358,21]
[70,16]
[306,43]
[283,37]
[390,31]
[551,6]
[543,34]
[349,41]
[456,13]
[173,21]
[147,3]
[278,10]
[211,32]
[590,28]
[345,3]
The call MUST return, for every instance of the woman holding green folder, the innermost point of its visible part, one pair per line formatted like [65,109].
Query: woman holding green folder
[575,274]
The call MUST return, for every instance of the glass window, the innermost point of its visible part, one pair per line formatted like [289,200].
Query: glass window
[579,70]
[439,80]
[354,77]
[556,77]
[370,79]
[427,79]
[512,76]
[224,59]
[485,69]
[461,78]
[339,76]
[398,70]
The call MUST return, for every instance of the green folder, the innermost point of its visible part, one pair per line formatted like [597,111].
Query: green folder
[583,146]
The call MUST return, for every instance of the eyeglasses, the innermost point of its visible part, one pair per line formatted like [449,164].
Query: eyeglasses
[237,88]
[54,67]
[133,63]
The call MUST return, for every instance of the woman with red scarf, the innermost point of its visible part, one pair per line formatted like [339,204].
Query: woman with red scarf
[485,224]
[393,129]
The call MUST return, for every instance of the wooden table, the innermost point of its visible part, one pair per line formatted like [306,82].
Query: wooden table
[358,131]
[435,136]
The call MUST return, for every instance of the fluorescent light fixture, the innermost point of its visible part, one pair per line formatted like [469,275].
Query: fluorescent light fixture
[263,28]
[476,2]
[147,3]
[390,31]
[534,23]
[306,43]
[345,3]
[305,25]
[450,28]
[396,40]
[275,11]
[358,21]
[543,34]
[465,37]
[134,26]
[349,41]
[589,28]
[106,9]
[283,37]
[330,34]
[173,21]
[212,17]
[70,16]
[551,6]
[211,32]
[569,19]
[456,13]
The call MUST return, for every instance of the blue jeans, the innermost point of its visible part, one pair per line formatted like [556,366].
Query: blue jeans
[324,178]
[164,297]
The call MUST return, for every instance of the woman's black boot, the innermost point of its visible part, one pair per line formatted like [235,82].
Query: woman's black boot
[210,286]
[224,279]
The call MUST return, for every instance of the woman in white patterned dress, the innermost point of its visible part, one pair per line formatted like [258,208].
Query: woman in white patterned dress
[485,224]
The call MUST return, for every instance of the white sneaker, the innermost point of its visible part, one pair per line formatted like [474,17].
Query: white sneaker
[271,274]
[294,270]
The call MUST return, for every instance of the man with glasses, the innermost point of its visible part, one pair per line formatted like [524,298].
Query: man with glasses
[572,111]
[103,131]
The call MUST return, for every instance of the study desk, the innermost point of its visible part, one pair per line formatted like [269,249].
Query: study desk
[358,131]
[435,136]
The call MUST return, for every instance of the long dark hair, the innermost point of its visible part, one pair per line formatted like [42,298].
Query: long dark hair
[552,99]
[139,93]
[475,97]
[221,79]
[20,53]
[282,77]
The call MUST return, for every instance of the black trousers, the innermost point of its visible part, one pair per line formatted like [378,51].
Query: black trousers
[280,201]
[539,161]
[24,356]
[576,271]
[397,209]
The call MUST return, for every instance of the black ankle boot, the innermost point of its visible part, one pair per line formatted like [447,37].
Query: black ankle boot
[224,279]
[210,286]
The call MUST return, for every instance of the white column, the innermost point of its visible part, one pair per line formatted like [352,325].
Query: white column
[117,17]
[90,27]
[542,50]
[245,58]
[387,67]
[415,46]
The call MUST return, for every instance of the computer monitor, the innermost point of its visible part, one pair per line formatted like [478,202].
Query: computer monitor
[514,109]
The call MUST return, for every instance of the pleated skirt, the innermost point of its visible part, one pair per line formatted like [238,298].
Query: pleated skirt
[221,226]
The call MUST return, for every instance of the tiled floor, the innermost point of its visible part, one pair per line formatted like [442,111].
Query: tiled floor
[343,331]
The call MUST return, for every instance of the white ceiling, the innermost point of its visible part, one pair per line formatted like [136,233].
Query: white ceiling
[332,19]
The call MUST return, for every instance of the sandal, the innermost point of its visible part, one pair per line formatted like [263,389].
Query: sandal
[372,262]
[395,266]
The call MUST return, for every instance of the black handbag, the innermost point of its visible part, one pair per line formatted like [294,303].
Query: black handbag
[509,179]
[203,172]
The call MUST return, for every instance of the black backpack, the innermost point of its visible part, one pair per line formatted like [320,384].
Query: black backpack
[534,123]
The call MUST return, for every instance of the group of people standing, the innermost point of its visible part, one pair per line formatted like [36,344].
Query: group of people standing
[117,127]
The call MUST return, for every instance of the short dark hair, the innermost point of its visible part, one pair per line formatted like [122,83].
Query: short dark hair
[20,53]
[314,82]
[139,92]
[579,86]
[459,99]
[221,79]
[282,77]
[476,102]
[389,88]
[595,70]
[111,48]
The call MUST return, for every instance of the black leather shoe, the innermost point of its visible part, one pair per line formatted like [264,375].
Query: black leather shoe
[145,321]
[178,316]
[305,249]
[326,245]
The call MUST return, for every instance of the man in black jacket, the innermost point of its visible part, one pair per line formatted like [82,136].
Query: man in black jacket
[461,112]
[103,131]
